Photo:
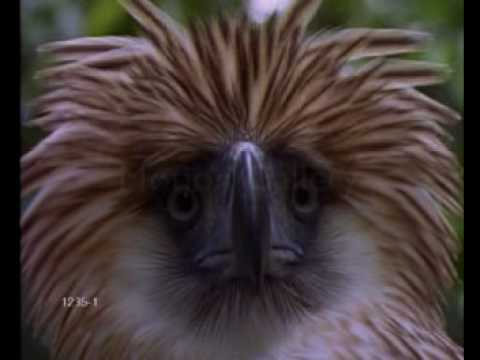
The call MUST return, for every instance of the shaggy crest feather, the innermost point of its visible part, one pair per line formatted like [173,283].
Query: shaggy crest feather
[119,107]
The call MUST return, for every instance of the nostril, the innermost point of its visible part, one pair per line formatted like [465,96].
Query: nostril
[214,260]
[222,262]
[286,254]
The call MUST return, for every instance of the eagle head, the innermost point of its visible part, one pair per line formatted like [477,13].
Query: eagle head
[239,190]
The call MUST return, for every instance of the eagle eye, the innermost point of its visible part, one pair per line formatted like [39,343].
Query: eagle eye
[183,203]
[304,197]
[308,191]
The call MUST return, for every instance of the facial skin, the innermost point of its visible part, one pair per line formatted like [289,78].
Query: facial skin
[245,221]
[241,244]
[242,217]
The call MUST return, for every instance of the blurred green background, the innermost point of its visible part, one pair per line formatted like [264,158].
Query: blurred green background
[49,20]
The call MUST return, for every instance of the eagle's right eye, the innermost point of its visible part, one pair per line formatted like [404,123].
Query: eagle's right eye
[183,203]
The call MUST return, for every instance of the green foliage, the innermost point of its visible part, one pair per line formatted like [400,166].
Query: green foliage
[107,17]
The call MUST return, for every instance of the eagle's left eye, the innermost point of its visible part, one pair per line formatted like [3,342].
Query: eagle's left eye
[308,191]
[304,196]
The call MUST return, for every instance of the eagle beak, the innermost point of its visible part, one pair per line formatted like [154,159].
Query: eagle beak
[250,214]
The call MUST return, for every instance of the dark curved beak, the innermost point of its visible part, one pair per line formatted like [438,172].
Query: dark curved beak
[247,238]
[250,216]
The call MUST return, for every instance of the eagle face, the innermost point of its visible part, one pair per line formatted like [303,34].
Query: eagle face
[231,191]
[243,215]
[238,247]
[239,238]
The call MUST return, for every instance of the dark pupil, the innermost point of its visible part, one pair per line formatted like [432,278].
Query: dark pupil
[302,196]
[184,201]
